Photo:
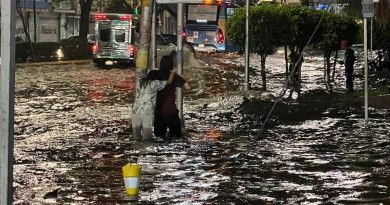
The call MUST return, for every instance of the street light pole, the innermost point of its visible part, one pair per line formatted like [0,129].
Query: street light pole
[153,46]
[365,73]
[179,55]
[246,84]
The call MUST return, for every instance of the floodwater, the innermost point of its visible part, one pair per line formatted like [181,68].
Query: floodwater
[72,136]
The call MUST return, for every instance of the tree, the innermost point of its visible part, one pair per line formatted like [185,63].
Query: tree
[85,10]
[146,28]
[23,19]
[85,7]
[382,12]
[265,33]
[302,30]
[119,6]
[335,28]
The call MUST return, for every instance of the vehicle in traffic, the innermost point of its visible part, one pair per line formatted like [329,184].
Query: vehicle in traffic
[205,26]
[116,38]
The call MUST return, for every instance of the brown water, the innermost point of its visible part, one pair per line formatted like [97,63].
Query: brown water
[72,127]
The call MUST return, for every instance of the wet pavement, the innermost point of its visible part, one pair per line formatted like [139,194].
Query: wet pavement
[72,136]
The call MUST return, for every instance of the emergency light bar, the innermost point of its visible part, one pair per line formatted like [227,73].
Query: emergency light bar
[102,17]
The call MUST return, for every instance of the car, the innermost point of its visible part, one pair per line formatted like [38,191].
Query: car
[165,48]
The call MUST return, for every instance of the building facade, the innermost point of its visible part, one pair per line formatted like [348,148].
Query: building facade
[49,22]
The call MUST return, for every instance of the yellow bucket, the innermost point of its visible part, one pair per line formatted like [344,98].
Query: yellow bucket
[131,177]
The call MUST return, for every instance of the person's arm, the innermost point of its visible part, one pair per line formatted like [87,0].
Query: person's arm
[171,76]
[187,86]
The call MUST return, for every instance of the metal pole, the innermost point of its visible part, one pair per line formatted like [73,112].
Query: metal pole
[365,73]
[179,57]
[153,37]
[7,90]
[246,82]
[371,30]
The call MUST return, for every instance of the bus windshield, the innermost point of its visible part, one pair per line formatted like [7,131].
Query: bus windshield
[202,14]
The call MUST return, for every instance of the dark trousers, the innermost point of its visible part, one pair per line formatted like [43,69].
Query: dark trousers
[349,76]
[164,122]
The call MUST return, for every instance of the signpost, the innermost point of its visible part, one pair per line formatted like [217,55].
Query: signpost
[368,12]
[7,88]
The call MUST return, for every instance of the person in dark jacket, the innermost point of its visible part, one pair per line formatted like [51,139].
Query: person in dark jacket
[166,113]
[349,61]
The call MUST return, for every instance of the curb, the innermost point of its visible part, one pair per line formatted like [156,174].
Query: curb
[77,62]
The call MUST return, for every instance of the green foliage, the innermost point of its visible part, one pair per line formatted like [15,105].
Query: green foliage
[236,27]
[119,6]
[381,36]
[267,28]
[336,28]
[304,21]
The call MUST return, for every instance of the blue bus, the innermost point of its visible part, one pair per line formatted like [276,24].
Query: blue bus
[205,26]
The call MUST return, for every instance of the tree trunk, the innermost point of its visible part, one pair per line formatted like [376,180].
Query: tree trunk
[334,64]
[146,28]
[22,17]
[35,22]
[328,68]
[85,6]
[263,76]
[286,59]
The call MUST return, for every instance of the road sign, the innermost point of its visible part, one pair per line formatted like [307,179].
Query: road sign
[179,1]
[368,8]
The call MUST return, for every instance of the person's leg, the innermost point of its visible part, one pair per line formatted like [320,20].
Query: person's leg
[160,127]
[349,83]
[147,127]
[136,125]
[174,125]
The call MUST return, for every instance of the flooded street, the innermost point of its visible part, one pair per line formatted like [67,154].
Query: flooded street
[73,135]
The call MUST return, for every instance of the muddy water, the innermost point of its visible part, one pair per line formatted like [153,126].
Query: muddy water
[73,135]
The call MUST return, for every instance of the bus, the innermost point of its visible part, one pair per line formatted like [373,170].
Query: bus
[205,26]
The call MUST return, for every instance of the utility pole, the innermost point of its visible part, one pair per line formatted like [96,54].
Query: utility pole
[7,90]
[153,46]
[142,60]
[179,56]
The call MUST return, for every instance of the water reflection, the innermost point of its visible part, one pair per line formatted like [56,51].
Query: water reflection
[70,149]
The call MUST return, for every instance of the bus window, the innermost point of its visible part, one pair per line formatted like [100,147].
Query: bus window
[120,35]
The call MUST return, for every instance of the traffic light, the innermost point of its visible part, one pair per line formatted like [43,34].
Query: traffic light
[213,2]
[208,2]
[136,11]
